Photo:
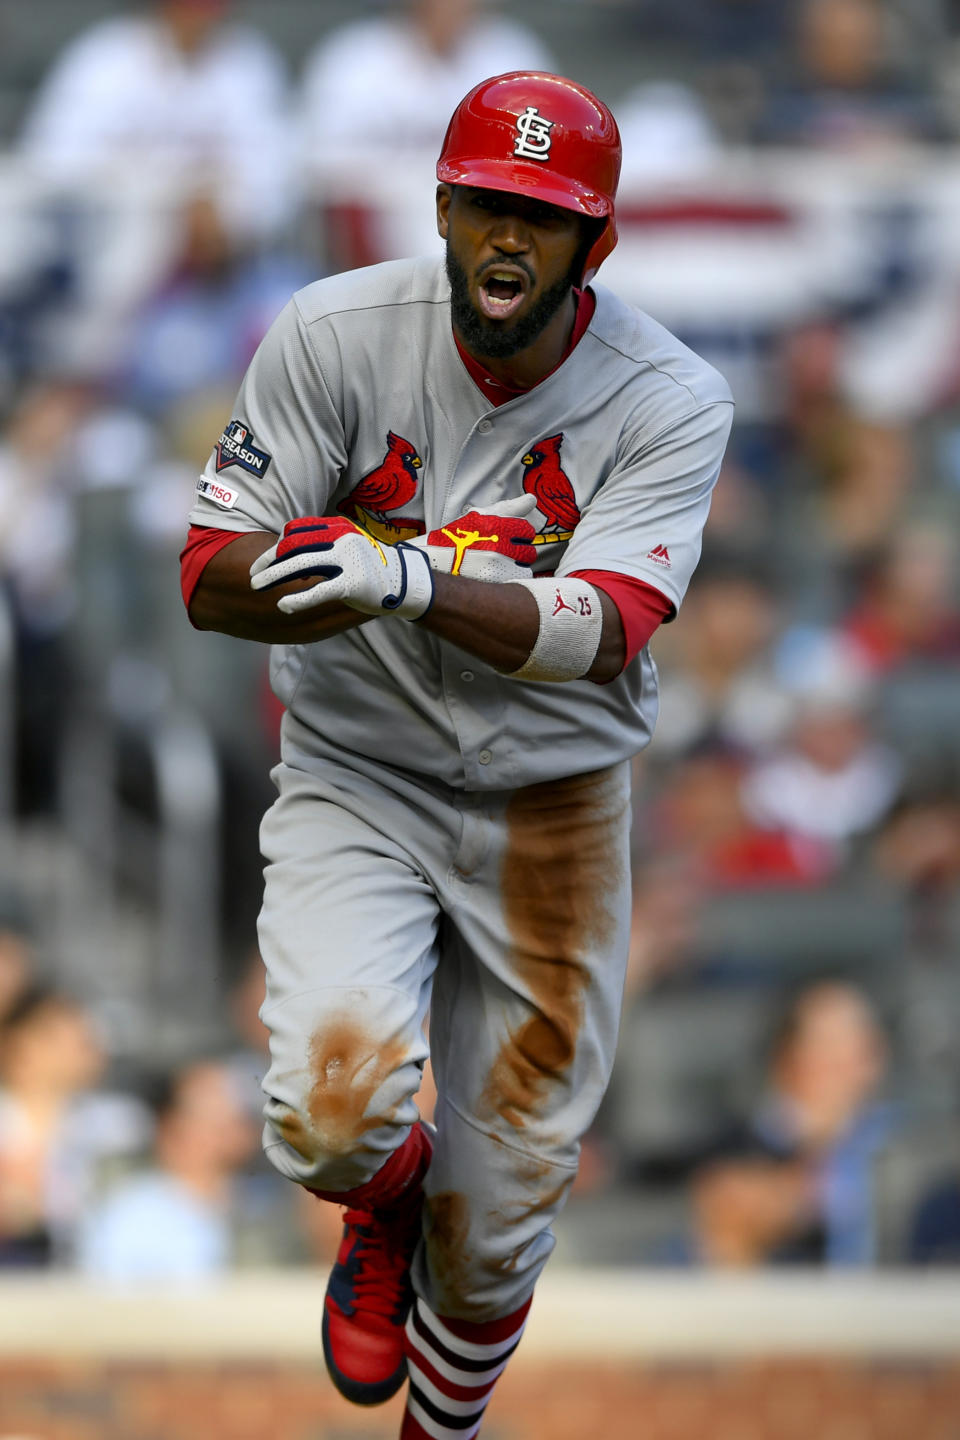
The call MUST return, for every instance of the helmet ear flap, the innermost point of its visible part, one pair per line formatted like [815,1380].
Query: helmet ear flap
[592,248]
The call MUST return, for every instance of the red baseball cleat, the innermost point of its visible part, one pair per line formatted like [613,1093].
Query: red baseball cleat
[369,1296]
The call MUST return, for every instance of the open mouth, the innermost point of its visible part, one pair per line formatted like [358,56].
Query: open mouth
[502,292]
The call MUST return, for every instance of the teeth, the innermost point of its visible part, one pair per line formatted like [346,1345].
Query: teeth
[503,275]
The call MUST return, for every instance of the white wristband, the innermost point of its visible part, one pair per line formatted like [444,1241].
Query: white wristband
[571,621]
[415,595]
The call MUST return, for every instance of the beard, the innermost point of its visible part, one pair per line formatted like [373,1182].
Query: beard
[486,337]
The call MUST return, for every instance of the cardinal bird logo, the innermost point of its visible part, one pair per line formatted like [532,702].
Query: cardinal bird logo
[393,484]
[545,480]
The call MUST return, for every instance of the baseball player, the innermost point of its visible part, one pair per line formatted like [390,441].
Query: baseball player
[457,497]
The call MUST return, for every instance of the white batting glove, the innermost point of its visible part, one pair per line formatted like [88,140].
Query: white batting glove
[351,566]
[494,544]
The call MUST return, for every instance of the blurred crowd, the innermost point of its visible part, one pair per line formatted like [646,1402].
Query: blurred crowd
[788,1085]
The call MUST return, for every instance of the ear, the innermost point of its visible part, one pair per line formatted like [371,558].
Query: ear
[444,196]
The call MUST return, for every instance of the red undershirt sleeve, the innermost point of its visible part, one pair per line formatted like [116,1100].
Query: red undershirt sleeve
[642,608]
[202,544]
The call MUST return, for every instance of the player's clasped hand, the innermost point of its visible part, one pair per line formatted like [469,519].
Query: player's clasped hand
[349,565]
[493,545]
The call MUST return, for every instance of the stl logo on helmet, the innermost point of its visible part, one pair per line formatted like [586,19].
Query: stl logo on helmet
[533,135]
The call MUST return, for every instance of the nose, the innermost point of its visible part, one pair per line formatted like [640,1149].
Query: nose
[510,235]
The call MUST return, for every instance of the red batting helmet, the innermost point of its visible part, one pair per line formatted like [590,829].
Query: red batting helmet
[538,134]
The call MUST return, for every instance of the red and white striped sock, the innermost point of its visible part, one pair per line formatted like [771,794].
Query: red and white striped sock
[453,1366]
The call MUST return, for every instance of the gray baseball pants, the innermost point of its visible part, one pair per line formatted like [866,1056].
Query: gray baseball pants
[503,915]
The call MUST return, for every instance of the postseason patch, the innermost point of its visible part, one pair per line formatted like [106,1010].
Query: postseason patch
[236,447]
[220,494]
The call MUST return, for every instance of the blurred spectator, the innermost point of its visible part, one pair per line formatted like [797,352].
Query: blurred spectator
[37,277]
[695,840]
[393,82]
[851,475]
[702,819]
[919,845]
[754,31]
[718,678]
[865,489]
[37,531]
[59,443]
[907,607]
[195,337]
[832,780]
[182,93]
[667,900]
[36,527]
[918,852]
[847,91]
[16,959]
[666,131]
[794,1184]
[731,46]
[176,1221]
[56,1130]
[377,96]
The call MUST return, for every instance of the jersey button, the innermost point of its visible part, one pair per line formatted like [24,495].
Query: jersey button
[485,757]
[485,427]
[466,675]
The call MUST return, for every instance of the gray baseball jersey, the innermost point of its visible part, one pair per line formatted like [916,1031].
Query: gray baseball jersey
[445,838]
[357,400]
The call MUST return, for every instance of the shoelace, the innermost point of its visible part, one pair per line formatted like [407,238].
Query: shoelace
[384,1246]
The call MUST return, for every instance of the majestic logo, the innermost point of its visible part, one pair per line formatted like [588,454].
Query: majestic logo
[533,135]
[236,447]
[660,555]
[546,481]
[389,486]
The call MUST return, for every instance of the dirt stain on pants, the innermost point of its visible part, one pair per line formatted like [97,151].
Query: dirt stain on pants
[562,868]
[446,1229]
[347,1067]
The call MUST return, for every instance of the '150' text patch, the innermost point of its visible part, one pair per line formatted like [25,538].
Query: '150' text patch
[219,494]
[236,447]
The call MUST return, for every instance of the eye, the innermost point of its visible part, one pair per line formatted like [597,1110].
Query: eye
[551,217]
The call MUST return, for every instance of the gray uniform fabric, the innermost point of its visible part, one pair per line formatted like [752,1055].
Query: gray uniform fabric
[644,423]
[445,838]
